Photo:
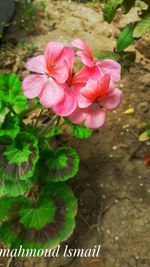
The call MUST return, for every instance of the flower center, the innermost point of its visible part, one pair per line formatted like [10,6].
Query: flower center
[95,106]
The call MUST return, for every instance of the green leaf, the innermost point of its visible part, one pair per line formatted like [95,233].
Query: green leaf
[61,220]
[124,58]
[3,114]
[81,131]
[37,103]
[19,157]
[59,165]
[37,215]
[11,91]
[14,188]
[5,206]
[142,27]
[148,132]
[7,235]
[110,9]
[104,54]
[55,131]
[125,38]
[10,126]
[127,5]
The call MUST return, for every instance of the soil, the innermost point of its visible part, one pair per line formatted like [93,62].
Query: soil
[112,185]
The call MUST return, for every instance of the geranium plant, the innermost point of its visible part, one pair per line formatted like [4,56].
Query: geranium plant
[37,208]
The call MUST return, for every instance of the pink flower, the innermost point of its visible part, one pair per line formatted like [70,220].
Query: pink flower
[50,73]
[71,88]
[95,96]
[95,68]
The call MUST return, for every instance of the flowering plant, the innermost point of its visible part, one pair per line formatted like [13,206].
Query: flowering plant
[37,208]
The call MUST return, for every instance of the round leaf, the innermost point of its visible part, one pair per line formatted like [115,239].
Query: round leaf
[37,215]
[10,126]
[58,229]
[5,206]
[59,165]
[19,157]
[14,188]
[11,91]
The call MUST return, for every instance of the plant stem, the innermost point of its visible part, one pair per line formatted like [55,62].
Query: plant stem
[48,125]
[38,118]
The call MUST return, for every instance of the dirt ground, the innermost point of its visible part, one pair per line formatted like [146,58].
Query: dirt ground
[113,183]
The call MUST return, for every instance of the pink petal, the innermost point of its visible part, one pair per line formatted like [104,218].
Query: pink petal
[88,94]
[37,64]
[95,119]
[78,116]
[67,105]
[83,46]
[33,85]
[86,54]
[60,73]
[87,73]
[83,102]
[69,57]
[103,85]
[112,100]
[52,94]
[87,61]
[52,52]
[111,67]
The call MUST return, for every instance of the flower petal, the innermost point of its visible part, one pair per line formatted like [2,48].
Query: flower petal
[86,55]
[83,102]
[87,61]
[112,101]
[95,119]
[37,64]
[69,57]
[90,92]
[87,73]
[52,52]
[52,94]
[68,104]
[60,73]
[111,67]
[78,116]
[103,85]
[83,46]
[33,84]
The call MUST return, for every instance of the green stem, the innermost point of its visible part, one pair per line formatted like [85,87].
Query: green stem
[58,120]
[47,143]
[48,125]
[38,118]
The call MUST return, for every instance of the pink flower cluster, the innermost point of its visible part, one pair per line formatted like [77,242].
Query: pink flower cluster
[82,96]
